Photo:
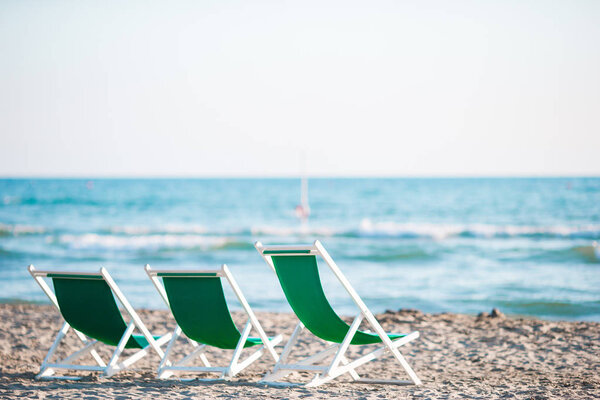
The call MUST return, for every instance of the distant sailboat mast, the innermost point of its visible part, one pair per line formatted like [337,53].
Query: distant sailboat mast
[303,209]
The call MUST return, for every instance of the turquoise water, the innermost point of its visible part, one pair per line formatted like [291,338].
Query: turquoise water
[460,245]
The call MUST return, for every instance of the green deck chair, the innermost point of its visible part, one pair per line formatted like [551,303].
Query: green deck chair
[87,304]
[197,301]
[298,273]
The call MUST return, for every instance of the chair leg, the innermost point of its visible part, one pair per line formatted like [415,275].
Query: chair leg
[352,372]
[162,374]
[165,369]
[326,374]
[255,356]
[319,380]
[275,373]
[205,360]
[142,353]
[45,371]
[112,367]
[280,371]
[411,373]
[345,343]
[88,348]
[235,366]
[251,317]
[231,369]
[387,342]
[93,353]
[197,352]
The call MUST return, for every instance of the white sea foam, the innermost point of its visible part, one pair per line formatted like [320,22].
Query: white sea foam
[299,230]
[441,231]
[164,229]
[149,242]
[406,230]
[195,236]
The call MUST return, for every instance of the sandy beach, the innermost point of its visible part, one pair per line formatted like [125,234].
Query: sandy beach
[457,356]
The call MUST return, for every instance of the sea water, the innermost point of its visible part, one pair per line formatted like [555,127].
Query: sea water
[523,245]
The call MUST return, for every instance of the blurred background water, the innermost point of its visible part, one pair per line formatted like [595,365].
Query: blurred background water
[525,245]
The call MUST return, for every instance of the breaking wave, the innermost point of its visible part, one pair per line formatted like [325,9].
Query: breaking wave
[165,229]
[92,241]
[294,231]
[443,231]
[369,229]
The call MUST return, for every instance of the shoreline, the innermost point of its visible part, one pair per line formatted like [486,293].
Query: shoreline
[457,355]
[19,301]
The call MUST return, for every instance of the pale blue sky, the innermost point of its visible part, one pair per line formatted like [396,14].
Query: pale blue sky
[239,88]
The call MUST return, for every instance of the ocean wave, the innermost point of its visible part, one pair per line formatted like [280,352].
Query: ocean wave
[369,229]
[542,252]
[53,201]
[182,229]
[16,230]
[92,241]
[442,231]
[293,231]
[393,254]
[164,229]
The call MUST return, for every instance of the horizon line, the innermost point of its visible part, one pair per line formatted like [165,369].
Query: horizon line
[296,176]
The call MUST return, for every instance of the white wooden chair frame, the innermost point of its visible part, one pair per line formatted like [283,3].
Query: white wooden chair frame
[167,368]
[48,368]
[339,364]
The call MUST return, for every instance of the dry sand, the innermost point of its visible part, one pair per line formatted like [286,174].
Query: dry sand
[457,356]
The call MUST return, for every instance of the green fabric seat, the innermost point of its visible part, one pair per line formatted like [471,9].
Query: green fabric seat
[198,304]
[88,305]
[301,284]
